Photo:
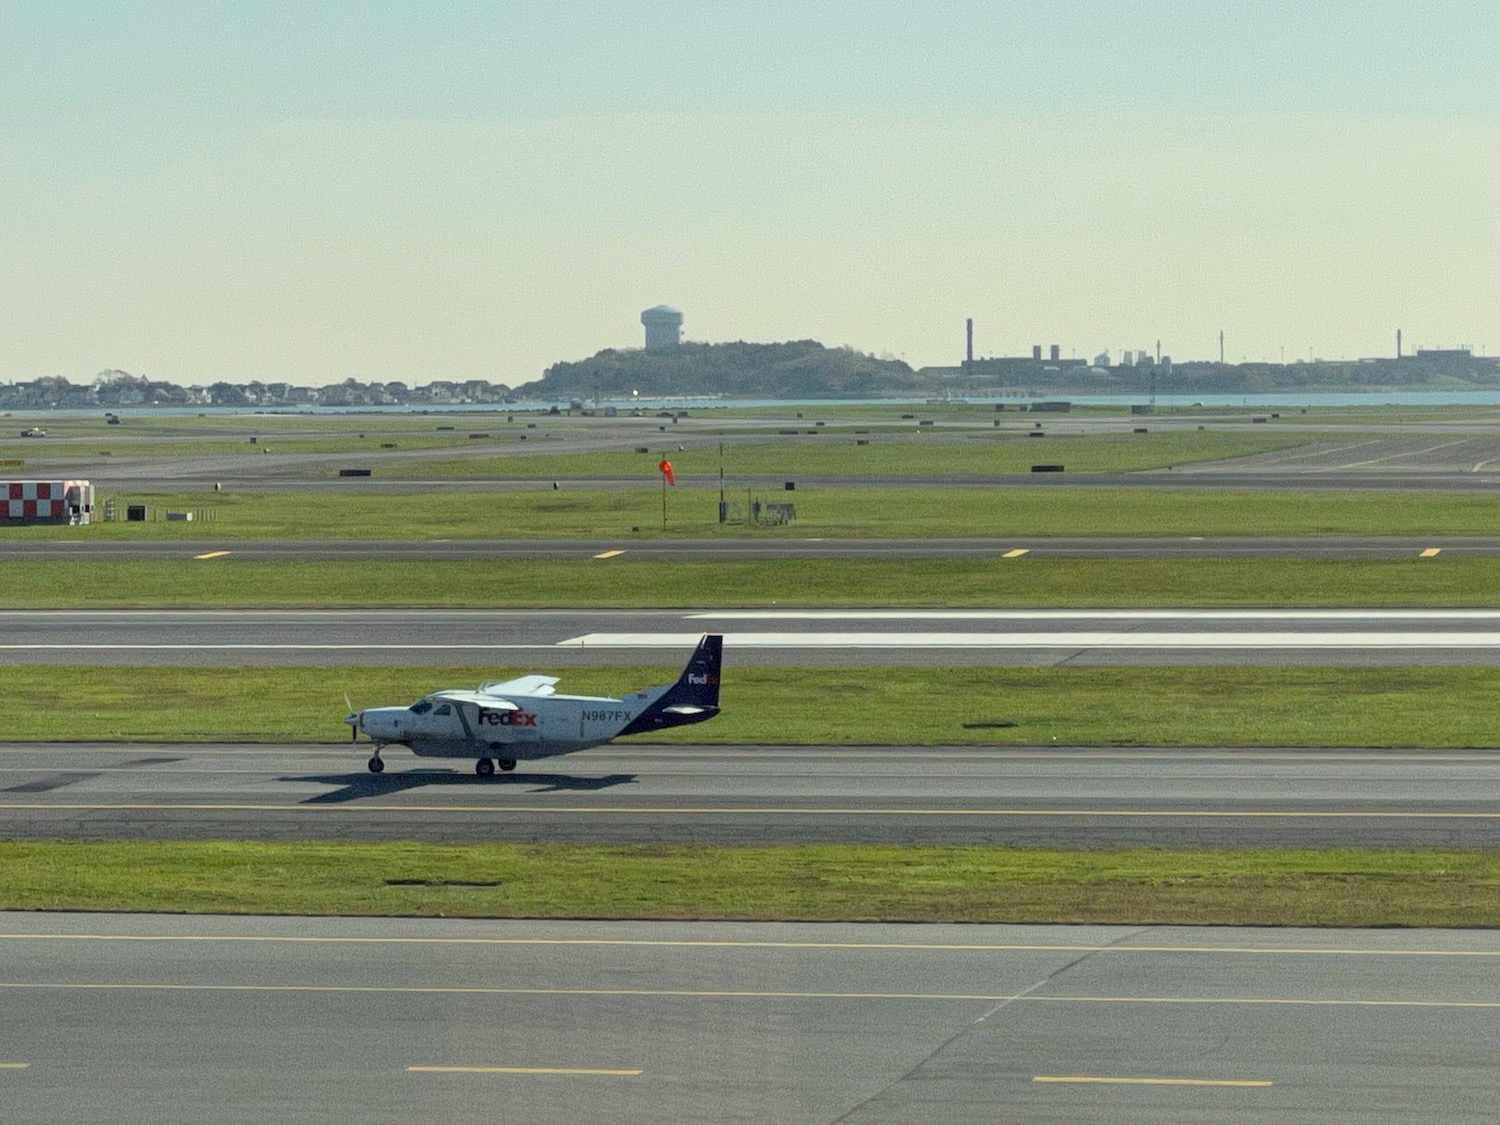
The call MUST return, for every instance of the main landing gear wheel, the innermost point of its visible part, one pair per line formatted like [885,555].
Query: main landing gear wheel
[507,764]
[484,767]
[375,764]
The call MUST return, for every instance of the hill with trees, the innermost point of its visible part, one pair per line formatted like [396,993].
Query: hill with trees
[796,369]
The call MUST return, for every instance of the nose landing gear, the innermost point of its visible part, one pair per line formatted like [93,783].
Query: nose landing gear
[375,764]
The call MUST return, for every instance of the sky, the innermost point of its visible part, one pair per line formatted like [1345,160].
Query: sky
[312,191]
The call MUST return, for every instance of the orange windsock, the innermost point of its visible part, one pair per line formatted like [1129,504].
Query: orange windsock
[666,471]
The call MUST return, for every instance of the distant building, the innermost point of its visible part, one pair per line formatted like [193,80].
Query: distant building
[663,327]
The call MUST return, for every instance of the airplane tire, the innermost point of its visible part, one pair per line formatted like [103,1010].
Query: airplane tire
[376,765]
[484,767]
[507,764]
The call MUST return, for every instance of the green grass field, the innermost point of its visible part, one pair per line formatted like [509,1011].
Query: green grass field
[621,582]
[1066,706]
[866,511]
[1334,887]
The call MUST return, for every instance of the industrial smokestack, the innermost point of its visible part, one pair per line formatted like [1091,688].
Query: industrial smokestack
[1398,343]
[969,331]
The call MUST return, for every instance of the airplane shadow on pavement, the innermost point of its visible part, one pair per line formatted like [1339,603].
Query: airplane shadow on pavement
[355,786]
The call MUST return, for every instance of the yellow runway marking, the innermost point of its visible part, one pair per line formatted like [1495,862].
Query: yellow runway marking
[642,810]
[608,554]
[1017,553]
[743,994]
[13,1066]
[1154,1081]
[1431,552]
[212,555]
[515,1070]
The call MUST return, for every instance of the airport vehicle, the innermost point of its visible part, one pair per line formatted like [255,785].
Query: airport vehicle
[525,718]
[35,431]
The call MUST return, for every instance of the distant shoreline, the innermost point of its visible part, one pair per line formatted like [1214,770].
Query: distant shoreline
[1291,398]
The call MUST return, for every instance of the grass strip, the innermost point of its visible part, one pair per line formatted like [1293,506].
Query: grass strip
[871,509]
[586,583]
[1066,706]
[1338,887]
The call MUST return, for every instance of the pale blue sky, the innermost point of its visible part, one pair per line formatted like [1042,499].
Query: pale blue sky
[310,191]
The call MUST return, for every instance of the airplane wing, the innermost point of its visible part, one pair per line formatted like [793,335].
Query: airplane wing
[481,699]
[525,685]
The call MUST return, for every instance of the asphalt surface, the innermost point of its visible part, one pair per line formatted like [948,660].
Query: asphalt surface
[129,1020]
[630,793]
[545,640]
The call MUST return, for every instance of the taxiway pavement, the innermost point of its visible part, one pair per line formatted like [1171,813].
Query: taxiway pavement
[762,795]
[155,1020]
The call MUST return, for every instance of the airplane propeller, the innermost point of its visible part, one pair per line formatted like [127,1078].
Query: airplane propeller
[353,730]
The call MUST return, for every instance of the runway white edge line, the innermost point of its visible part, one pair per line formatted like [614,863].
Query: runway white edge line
[1080,640]
[1097,615]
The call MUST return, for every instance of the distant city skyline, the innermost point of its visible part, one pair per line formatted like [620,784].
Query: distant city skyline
[306,192]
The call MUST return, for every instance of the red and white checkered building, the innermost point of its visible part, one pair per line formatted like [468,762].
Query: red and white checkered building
[47,501]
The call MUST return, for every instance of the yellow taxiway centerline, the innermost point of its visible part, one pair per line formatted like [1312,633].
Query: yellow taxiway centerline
[608,554]
[212,555]
[13,1066]
[1152,1081]
[517,1070]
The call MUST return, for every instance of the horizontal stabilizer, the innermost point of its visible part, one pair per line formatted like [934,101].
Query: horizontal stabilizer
[693,698]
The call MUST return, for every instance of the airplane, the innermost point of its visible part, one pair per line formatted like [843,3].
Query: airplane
[524,718]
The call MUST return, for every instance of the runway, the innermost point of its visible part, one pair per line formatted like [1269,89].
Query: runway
[539,640]
[139,1020]
[762,795]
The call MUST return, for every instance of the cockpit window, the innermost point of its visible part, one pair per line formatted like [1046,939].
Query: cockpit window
[421,707]
[444,710]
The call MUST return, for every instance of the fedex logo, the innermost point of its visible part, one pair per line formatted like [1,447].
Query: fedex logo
[705,678]
[507,718]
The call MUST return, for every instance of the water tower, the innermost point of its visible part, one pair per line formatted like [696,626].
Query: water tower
[663,327]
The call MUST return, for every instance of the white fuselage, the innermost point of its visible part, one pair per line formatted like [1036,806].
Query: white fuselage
[518,727]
